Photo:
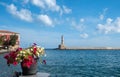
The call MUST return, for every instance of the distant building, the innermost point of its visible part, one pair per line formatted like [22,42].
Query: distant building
[62,46]
[6,34]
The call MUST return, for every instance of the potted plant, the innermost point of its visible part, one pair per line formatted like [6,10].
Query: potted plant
[27,57]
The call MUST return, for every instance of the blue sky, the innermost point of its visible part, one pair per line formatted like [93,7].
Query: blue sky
[84,23]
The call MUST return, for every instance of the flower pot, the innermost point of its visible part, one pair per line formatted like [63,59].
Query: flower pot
[32,70]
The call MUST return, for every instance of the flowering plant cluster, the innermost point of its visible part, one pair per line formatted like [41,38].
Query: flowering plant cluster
[27,56]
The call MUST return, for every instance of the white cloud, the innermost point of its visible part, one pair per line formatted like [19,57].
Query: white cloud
[104,10]
[82,20]
[91,19]
[84,35]
[46,20]
[110,26]
[39,3]
[109,21]
[23,14]
[25,1]
[51,5]
[12,9]
[66,10]
[105,28]
[102,15]
[77,26]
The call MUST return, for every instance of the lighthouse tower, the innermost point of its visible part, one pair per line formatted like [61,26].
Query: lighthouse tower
[62,40]
[62,46]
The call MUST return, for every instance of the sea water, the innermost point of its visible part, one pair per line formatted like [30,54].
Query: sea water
[74,63]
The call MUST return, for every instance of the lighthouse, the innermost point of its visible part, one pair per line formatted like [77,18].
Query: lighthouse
[62,40]
[62,46]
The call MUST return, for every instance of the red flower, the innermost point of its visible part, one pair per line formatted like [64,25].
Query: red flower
[34,50]
[15,63]
[19,49]
[6,56]
[28,62]
[15,57]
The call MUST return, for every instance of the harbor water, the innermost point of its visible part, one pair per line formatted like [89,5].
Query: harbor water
[73,63]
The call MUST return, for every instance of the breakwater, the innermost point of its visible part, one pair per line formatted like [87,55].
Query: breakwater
[89,48]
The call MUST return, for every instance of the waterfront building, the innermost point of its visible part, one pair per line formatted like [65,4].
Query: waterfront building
[62,46]
[5,37]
